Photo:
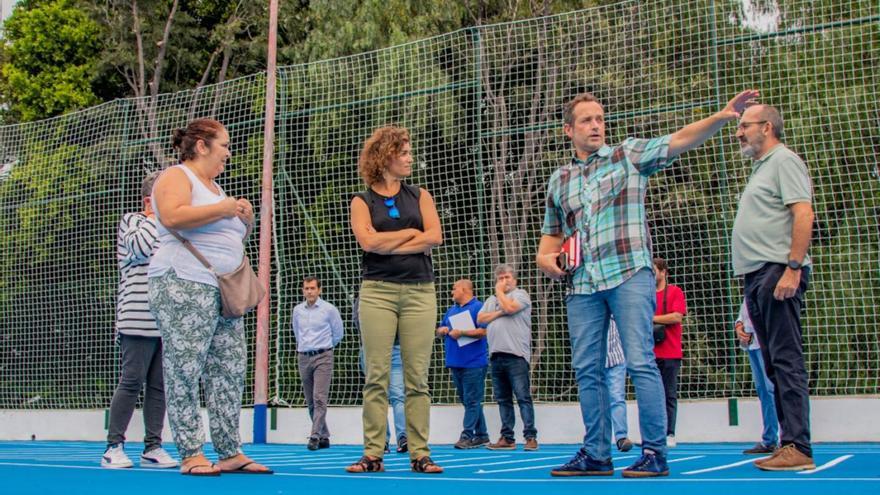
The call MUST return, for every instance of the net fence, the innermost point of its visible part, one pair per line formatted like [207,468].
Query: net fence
[483,106]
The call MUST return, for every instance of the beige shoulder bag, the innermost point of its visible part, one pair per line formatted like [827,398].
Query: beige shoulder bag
[240,289]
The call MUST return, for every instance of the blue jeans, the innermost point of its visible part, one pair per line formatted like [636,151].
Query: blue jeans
[615,380]
[396,397]
[510,376]
[470,383]
[632,303]
[765,394]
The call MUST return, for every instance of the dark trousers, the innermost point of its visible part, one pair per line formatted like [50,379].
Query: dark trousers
[778,326]
[669,373]
[510,377]
[317,374]
[141,363]
[470,383]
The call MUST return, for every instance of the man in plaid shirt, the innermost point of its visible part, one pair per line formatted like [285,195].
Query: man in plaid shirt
[601,194]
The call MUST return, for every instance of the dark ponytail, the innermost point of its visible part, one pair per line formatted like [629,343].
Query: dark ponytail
[184,140]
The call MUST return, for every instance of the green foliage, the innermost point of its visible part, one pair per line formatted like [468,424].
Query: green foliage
[49,60]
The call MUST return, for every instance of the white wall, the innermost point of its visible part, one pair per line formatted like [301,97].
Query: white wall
[839,419]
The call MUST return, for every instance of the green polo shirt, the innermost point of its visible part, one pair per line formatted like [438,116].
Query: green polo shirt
[762,229]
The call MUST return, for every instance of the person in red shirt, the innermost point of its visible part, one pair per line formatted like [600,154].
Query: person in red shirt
[671,308]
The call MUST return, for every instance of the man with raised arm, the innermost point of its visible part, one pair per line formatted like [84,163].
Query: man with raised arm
[507,316]
[600,193]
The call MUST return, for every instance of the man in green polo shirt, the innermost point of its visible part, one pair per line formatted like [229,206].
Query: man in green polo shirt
[771,235]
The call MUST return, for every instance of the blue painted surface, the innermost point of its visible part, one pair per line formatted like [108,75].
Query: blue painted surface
[74,467]
[260,423]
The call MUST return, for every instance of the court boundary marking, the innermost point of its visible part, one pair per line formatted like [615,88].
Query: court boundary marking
[428,478]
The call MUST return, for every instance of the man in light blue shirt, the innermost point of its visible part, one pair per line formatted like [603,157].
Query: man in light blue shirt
[317,327]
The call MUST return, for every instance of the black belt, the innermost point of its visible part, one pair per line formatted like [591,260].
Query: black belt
[315,353]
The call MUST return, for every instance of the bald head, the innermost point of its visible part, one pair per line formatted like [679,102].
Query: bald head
[462,291]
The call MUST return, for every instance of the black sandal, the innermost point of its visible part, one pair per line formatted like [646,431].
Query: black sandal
[402,446]
[366,465]
[425,465]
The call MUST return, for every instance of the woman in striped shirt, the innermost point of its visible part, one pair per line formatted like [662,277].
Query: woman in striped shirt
[140,345]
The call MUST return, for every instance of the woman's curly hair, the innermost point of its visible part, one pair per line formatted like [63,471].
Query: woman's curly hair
[384,145]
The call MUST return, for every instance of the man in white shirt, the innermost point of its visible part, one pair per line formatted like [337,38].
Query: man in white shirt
[317,327]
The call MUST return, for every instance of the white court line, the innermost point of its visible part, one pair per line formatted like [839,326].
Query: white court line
[395,462]
[680,459]
[527,468]
[827,465]
[726,466]
[315,459]
[304,464]
[539,467]
[433,479]
[480,464]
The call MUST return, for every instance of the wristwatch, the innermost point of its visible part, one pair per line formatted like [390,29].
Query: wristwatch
[794,265]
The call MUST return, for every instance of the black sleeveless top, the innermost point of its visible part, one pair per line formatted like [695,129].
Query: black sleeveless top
[398,268]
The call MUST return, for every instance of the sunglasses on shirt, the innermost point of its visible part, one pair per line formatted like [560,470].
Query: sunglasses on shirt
[393,212]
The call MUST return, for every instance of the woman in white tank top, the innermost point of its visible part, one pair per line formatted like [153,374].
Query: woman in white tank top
[199,343]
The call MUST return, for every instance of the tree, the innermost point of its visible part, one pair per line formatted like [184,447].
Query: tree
[48,60]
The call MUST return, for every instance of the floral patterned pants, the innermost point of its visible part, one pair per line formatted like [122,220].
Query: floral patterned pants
[199,344]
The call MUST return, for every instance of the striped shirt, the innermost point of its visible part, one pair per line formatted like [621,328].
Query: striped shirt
[615,350]
[136,241]
[603,197]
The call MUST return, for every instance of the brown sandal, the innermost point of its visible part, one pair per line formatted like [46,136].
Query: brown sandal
[367,465]
[425,465]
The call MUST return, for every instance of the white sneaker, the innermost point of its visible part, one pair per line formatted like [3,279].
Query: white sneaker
[158,458]
[114,458]
[670,441]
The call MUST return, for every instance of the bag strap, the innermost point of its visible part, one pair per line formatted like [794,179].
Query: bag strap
[195,252]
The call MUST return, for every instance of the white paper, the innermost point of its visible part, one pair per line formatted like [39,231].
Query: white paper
[463,321]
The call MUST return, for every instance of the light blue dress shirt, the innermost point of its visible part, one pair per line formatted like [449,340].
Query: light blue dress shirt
[316,327]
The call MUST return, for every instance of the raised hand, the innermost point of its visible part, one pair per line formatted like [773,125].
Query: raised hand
[737,105]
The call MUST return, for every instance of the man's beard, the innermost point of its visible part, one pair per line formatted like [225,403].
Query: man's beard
[750,150]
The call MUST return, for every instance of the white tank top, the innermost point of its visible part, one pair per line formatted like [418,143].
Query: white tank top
[219,241]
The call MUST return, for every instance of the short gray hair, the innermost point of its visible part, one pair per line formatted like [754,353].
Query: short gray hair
[147,184]
[771,114]
[505,268]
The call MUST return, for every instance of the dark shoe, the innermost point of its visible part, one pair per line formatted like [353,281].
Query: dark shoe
[480,441]
[787,458]
[313,444]
[402,446]
[324,443]
[760,448]
[648,466]
[387,448]
[531,444]
[584,465]
[502,444]
[624,444]
[470,443]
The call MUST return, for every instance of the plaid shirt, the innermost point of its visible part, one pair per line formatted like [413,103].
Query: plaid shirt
[604,198]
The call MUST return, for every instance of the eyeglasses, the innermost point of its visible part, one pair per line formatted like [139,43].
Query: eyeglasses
[743,125]
[393,212]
